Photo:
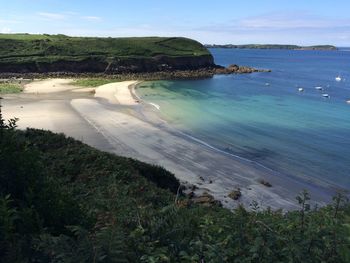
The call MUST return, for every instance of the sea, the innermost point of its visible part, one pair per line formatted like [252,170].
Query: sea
[278,119]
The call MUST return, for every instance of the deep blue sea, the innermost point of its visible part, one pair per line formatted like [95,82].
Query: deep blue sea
[263,116]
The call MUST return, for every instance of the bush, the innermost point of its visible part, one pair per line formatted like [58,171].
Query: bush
[63,201]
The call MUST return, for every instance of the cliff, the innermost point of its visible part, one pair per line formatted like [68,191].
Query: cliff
[24,53]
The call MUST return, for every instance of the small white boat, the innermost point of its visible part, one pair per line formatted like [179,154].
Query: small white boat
[300,89]
[325,95]
[348,101]
[338,78]
[319,88]
[267,84]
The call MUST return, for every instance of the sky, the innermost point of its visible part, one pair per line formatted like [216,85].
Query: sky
[301,22]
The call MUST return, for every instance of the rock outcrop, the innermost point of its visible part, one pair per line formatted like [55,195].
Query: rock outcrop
[111,66]
[235,194]
[206,200]
[235,69]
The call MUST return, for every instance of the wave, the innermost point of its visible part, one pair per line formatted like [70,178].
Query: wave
[154,105]
[227,153]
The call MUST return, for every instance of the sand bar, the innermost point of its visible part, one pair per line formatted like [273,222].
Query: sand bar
[117,93]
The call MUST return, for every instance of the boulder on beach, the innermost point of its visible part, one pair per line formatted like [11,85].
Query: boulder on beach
[235,194]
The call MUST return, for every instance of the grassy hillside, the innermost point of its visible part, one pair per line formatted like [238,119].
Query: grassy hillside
[24,53]
[17,47]
[63,201]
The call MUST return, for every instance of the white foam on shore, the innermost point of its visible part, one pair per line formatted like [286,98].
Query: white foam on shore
[133,91]
[155,105]
[227,153]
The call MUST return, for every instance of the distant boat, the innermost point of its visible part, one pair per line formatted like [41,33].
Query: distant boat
[319,88]
[300,89]
[338,78]
[348,101]
[267,84]
[325,95]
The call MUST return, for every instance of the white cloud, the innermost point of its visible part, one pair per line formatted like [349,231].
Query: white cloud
[67,16]
[6,21]
[296,27]
[92,18]
[279,21]
[291,20]
[5,30]
[71,13]
[283,28]
[52,16]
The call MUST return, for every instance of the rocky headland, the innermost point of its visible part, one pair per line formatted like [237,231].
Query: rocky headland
[152,58]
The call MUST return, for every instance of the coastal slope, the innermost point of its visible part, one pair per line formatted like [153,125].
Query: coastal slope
[26,53]
[63,201]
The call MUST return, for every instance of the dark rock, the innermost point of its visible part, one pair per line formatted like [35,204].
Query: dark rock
[123,72]
[206,200]
[117,65]
[191,195]
[235,195]
[264,182]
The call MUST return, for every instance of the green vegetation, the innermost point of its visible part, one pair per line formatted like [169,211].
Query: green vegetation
[20,48]
[274,46]
[93,82]
[24,53]
[63,201]
[6,88]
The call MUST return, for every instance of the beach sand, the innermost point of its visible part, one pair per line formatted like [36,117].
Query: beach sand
[112,119]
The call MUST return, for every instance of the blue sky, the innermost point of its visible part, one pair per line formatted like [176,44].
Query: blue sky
[304,22]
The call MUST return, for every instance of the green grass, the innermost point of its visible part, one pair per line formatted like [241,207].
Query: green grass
[21,47]
[56,53]
[7,88]
[93,82]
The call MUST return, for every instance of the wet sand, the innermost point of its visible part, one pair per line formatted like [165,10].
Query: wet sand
[112,119]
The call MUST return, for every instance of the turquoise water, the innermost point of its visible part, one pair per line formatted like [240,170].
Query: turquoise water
[302,134]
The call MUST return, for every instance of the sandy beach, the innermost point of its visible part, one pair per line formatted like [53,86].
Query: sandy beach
[111,118]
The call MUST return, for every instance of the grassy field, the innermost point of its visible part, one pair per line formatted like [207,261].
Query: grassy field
[25,53]
[18,47]
[93,82]
[7,88]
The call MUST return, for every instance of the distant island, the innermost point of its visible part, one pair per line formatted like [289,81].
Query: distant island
[274,46]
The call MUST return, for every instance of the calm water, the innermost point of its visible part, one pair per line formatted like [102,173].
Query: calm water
[296,133]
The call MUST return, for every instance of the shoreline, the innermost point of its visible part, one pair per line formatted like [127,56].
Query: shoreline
[130,127]
[321,185]
[312,181]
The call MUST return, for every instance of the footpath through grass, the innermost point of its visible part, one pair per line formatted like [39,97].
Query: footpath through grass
[93,82]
